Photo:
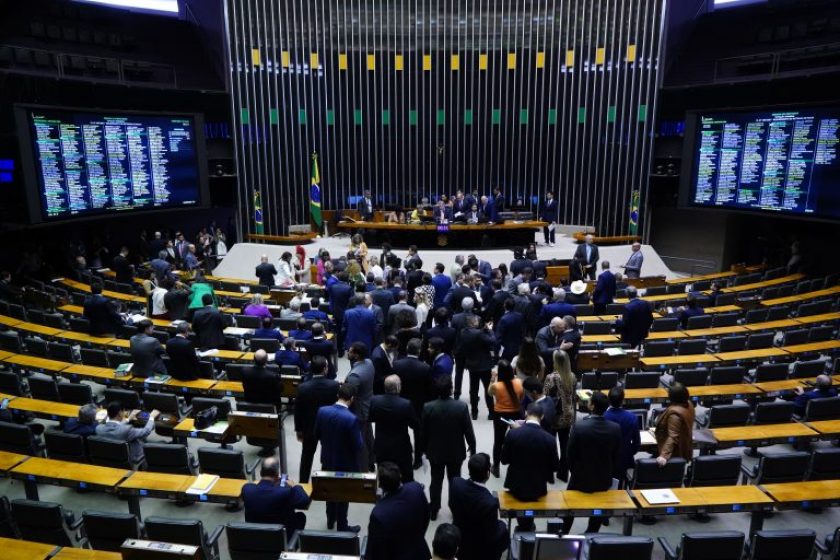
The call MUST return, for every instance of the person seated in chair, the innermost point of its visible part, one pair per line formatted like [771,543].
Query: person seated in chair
[315,314]
[822,390]
[301,330]
[85,424]
[289,356]
[267,330]
[271,500]
[120,428]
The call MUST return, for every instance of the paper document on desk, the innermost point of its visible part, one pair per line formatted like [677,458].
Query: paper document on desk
[612,352]
[203,484]
[217,428]
[206,353]
[660,496]
[137,317]
[646,437]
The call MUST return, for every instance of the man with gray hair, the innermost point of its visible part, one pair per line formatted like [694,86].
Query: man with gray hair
[459,321]
[604,291]
[548,339]
[633,267]
[266,272]
[456,269]
[293,312]
[587,253]
[557,308]
[393,415]
[85,424]
[636,319]
[822,390]
[161,267]
[570,340]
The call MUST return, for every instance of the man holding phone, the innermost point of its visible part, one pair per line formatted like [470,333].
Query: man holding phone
[274,499]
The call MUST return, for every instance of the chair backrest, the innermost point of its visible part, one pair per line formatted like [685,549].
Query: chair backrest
[811,368]
[760,340]
[715,470]
[8,529]
[782,467]
[691,377]
[596,327]
[116,359]
[329,542]
[724,319]
[699,322]
[778,312]
[727,375]
[203,403]
[825,464]
[795,336]
[181,531]
[724,415]
[270,345]
[712,545]
[656,348]
[54,320]
[17,438]
[775,412]
[35,346]
[665,324]
[234,371]
[164,402]
[584,309]
[626,548]
[41,521]
[599,380]
[813,308]
[733,343]
[820,333]
[656,291]
[244,406]
[686,347]
[726,299]
[17,311]
[226,463]
[10,383]
[43,387]
[75,393]
[756,316]
[701,285]
[94,357]
[650,475]
[106,530]
[771,372]
[61,351]
[822,409]
[170,458]
[641,379]
[78,324]
[10,342]
[65,447]
[785,544]
[247,321]
[108,452]
[128,398]
[255,541]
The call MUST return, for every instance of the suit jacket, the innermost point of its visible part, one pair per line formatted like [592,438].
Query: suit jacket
[477,347]
[495,307]
[580,253]
[445,333]
[122,270]
[499,203]
[487,210]
[102,315]
[549,211]
[209,324]
[630,439]
[146,353]
[266,502]
[416,378]
[73,426]
[461,206]
[126,432]
[445,213]
[266,273]
[475,511]
[322,347]
[340,294]
[382,368]
[161,268]
[549,408]
[176,301]
[442,284]
[633,268]
[441,366]
[446,431]
[312,395]
[398,523]
[532,457]
[361,375]
[594,454]
[261,385]
[635,322]
[454,298]
[556,309]
[359,326]
[183,363]
[339,432]
[394,310]
[459,321]
[383,298]
[604,292]
[509,332]
[393,416]
[365,209]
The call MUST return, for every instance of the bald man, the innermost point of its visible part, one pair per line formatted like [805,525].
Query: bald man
[588,255]
[273,500]
[633,268]
[393,416]
[261,384]
[822,390]
[266,272]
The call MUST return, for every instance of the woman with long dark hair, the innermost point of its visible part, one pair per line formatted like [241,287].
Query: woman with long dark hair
[507,393]
[528,363]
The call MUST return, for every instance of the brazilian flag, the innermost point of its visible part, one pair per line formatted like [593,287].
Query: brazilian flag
[634,213]
[258,216]
[315,193]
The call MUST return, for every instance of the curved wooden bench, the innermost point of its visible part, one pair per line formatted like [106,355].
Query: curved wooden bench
[580,237]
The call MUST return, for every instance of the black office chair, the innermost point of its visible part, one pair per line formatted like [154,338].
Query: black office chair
[129,399]
[54,320]
[172,458]
[109,453]
[328,542]
[202,403]
[206,370]
[116,359]
[699,322]
[770,372]
[168,404]
[724,319]
[45,522]
[233,372]
[829,549]
[725,299]
[43,387]
[786,544]
[17,311]
[584,309]
[813,308]
[715,470]
[691,377]
[641,379]
[665,324]
[778,312]
[648,474]
[756,316]
[10,342]
[270,345]
[795,336]
[757,341]
[627,548]
[106,530]
[594,380]
[185,531]
[12,384]
[780,467]
[65,447]
[820,333]
[226,463]
[734,343]
[61,352]
[8,529]
[824,465]
[75,393]
[255,541]
[690,346]
[822,409]
[35,346]
[247,321]
[596,327]
[726,415]
[94,357]
[656,348]
[713,545]
[811,368]
[19,438]
[776,412]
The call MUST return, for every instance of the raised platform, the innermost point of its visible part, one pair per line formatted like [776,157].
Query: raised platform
[455,235]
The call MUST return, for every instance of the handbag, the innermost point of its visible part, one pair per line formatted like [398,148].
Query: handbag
[206,418]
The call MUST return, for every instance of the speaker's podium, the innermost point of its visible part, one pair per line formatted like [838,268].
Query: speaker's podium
[331,486]
[136,549]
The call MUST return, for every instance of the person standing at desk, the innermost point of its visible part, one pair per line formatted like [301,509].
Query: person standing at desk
[398,522]
[123,271]
[183,362]
[594,456]
[209,324]
[146,351]
[365,207]
[340,294]
[477,345]
[604,292]
[549,214]
[101,313]
[633,268]
[587,254]
[266,272]
[475,511]
[260,383]
[339,432]
[318,345]
[269,501]
[361,376]
[629,423]
[636,319]
[393,416]
[318,391]
[674,427]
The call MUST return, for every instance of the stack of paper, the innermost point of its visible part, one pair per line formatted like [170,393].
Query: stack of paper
[660,496]
[203,484]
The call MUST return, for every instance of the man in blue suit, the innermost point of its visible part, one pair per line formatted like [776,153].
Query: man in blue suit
[359,324]
[487,210]
[442,213]
[549,213]
[398,522]
[475,511]
[557,308]
[636,319]
[340,294]
[339,432]
[483,268]
[442,284]
[269,501]
[510,330]
[604,292]
[441,361]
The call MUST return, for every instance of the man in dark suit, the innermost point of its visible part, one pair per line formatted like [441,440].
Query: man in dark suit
[442,330]
[339,432]
[398,522]
[361,376]
[444,428]
[397,308]
[587,253]
[460,206]
[510,330]
[477,346]
[456,296]
[415,376]
[123,271]
[183,363]
[359,324]
[340,294]
[604,292]
[383,357]
[269,501]
[393,416]
[486,209]
[266,272]
[382,296]
[209,324]
[442,213]
[260,383]
[318,391]
[549,213]
[531,455]
[636,319]
[101,313]
[494,306]
[557,308]
[365,207]
[161,267]
[499,202]
[459,323]
[594,455]
[483,268]
[146,351]
[475,511]
[318,345]
[534,394]
[442,284]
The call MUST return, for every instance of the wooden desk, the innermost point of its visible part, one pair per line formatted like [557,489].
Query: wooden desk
[102,375]
[15,549]
[65,473]
[722,309]
[186,429]
[68,553]
[763,435]
[750,354]
[33,363]
[783,385]
[802,297]
[667,335]
[228,389]
[692,279]
[821,318]
[559,503]
[9,460]
[226,356]
[689,359]
[825,427]
[803,495]
[710,392]
[774,325]
[812,347]
[9,321]
[227,489]
[715,331]
[144,483]
[42,330]
[79,310]
[645,396]
[85,338]
[47,410]
[588,360]
[599,338]
[4,355]
[194,386]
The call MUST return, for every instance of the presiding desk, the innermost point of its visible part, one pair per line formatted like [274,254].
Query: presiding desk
[507,234]
[559,503]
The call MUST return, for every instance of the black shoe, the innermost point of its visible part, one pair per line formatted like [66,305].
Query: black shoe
[417,464]
[330,524]
[605,522]
[352,528]
[433,515]
[647,520]
[495,471]
[475,414]
[490,416]
[563,476]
